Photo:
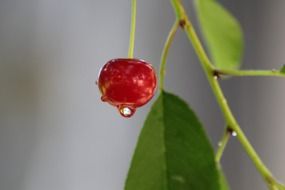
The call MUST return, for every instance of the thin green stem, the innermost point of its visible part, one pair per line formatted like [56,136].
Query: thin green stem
[190,32]
[273,187]
[232,124]
[263,170]
[178,8]
[164,54]
[222,144]
[281,186]
[241,73]
[212,78]
[133,29]
[192,36]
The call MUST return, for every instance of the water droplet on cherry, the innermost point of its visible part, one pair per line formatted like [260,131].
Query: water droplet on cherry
[126,111]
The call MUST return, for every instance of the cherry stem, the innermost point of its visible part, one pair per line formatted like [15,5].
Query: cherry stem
[164,53]
[209,70]
[132,29]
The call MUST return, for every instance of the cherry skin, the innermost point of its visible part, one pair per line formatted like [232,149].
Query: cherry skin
[127,84]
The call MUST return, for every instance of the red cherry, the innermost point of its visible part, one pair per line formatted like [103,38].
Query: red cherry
[127,84]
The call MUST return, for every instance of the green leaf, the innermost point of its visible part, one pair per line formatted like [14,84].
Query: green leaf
[173,151]
[222,33]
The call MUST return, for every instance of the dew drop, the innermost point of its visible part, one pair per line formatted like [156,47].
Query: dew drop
[216,77]
[126,111]
[234,134]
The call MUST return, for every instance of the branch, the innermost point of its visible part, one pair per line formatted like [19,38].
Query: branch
[164,54]
[223,143]
[212,79]
[254,73]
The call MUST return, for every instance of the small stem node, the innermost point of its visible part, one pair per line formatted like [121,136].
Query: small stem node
[182,23]
[217,74]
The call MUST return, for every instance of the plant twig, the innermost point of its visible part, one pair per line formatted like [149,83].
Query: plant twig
[212,78]
[164,54]
[242,73]
[223,143]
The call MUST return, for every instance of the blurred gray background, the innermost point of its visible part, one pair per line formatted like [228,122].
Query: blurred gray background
[56,134]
